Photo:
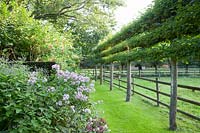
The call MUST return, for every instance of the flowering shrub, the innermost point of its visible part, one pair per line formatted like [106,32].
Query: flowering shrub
[32,102]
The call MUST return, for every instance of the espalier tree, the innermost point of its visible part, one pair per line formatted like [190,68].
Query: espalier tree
[180,26]
[168,30]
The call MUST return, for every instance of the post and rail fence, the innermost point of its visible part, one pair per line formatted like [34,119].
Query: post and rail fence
[129,85]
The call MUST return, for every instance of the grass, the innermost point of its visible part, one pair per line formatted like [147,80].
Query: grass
[136,116]
[184,93]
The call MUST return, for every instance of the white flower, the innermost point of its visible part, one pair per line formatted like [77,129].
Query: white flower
[51,89]
[44,80]
[65,97]
[97,129]
[59,103]
[87,111]
[105,127]
[56,66]
[32,78]
[72,108]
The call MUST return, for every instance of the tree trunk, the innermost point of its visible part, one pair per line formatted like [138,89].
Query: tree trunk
[128,93]
[111,76]
[173,99]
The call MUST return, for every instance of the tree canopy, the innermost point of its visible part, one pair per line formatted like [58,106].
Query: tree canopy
[81,23]
[170,32]
[87,20]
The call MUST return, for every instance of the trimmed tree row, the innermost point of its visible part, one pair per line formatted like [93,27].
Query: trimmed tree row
[168,30]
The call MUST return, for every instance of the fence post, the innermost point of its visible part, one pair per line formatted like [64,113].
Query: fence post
[173,98]
[101,74]
[119,77]
[128,93]
[122,67]
[111,76]
[157,87]
[95,73]
[186,69]
[139,69]
[133,80]
[139,73]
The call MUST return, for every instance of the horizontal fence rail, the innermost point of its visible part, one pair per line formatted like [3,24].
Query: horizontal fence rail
[118,75]
[166,83]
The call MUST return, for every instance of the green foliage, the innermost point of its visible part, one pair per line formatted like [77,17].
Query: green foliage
[170,39]
[185,48]
[24,37]
[179,49]
[19,33]
[83,23]
[151,19]
[88,21]
[86,37]
[32,102]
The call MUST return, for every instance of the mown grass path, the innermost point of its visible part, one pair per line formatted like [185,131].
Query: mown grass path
[136,116]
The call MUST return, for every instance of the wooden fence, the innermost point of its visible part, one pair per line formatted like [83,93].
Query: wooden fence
[109,76]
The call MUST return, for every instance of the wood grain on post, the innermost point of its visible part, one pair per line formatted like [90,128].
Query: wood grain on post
[129,86]
[173,98]
[111,76]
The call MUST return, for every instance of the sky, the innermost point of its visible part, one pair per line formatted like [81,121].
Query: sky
[130,11]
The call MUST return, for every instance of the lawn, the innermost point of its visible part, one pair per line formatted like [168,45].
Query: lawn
[136,116]
[184,93]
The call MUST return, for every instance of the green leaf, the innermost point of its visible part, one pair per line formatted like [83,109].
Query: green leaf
[52,108]
[18,110]
[34,123]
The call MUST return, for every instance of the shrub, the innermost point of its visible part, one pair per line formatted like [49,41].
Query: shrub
[21,36]
[32,102]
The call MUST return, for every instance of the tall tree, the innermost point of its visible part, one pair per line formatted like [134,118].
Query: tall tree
[87,20]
